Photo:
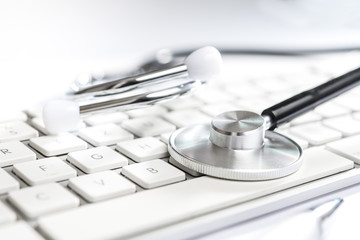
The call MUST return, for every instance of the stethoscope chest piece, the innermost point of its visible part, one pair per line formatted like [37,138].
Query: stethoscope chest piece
[236,146]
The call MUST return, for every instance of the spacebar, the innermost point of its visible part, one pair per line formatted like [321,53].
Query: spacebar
[148,210]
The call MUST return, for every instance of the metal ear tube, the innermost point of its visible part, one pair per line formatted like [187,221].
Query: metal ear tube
[199,67]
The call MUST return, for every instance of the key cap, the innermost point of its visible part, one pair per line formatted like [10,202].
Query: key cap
[101,186]
[148,126]
[155,110]
[255,105]
[152,174]
[356,115]
[183,103]
[143,149]
[184,168]
[6,215]
[302,143]
[13,117]
[102,135]
[315,133]
[57,145]
[182,201]
[274,85]
[331,109]
[36,111]
[347,125]
[347,147]
[43,199]
[165,137]
[306,118]
[7,182]
[213,96]
[244,91]
[15,152]
[11,131]
[106,117]
[38,123]
[188,117]
[19,230]
[349,101]
[44,170]
[97,159]
[216,109]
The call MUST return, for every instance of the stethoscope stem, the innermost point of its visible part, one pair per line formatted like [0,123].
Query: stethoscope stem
[237,146]
[307,100]
[135,80]
[135,98]
[144,89]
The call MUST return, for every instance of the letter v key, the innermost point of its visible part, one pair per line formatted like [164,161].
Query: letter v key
[100,182]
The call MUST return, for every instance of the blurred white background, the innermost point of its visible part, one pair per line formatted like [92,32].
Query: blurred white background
[44,44]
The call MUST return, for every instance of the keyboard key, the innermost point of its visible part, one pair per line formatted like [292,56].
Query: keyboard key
[148,126]
[184,168]
[97,159]
[44,170]
[182,201]
[349,101]
[103,135]
[7,182]
[13,116]
[43,199]
[155,110]
[19,230]
[38,123]
[10,131]
[101,186]
[153,173]
[212,96]
[306,118]
[255,105]
[183,103]
[274,84]
[165,137]
[15,152]
[302,143]
[315,133]
[331,109]
[106,117]
[347,147]
[356,115]
[188,117]
[243,90]
[57,145]
[143,149]
[6,215]
[347,125]
[36,111]
[216,109]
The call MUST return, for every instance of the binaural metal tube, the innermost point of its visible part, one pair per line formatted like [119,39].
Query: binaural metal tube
[146,95]
[133,81]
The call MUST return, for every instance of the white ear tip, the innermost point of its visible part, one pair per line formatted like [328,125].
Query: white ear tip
[204,64]
[61,116]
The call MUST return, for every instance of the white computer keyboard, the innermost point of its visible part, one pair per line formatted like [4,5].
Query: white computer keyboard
[113,179]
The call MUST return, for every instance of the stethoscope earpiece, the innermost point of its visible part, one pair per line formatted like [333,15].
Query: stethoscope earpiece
[201,66]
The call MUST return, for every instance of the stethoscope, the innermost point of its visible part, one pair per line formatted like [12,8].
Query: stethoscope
[236,145]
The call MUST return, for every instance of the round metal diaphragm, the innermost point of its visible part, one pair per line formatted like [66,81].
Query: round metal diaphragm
[278,157]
